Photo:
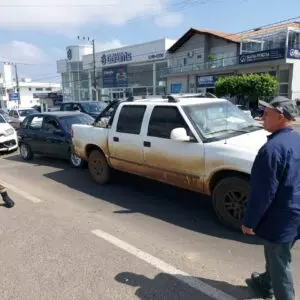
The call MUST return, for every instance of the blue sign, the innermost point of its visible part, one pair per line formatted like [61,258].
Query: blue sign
[176,88]
[118,57]
[262,56]
[293,53]
[13,96]
[206,81]
[115,77]
[69,54]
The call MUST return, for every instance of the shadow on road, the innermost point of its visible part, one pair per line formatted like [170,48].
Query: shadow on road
[139,195]
[167,287]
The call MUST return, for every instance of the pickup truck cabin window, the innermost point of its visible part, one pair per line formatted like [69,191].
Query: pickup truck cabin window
[163,120]
[131,118]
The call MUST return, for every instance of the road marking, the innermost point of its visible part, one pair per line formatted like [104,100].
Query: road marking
[21,192]
[195,283]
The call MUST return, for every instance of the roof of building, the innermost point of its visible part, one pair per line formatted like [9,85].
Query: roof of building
[192,31]
[265,29]
[230,37]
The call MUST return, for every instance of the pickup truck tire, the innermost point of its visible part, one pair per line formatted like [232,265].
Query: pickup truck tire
[229,198]
[99,169]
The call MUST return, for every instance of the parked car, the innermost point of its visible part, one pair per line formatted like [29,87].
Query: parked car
[92,108]
[206,145]
[18,115]
[49,134]
[8,136]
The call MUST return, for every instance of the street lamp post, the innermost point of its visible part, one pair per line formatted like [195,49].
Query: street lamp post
[94,65]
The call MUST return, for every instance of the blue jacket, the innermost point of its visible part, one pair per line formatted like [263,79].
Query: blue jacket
[273,208]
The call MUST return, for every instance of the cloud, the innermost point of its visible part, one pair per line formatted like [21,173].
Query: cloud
[113,44]
[56,13]
[169,20]
[22,52]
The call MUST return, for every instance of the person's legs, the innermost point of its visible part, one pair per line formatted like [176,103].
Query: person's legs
[279,270]
[7,200]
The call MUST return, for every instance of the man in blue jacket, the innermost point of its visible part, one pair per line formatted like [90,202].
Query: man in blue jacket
[273,210]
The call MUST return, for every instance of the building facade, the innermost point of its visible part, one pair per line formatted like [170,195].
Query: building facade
[200,57]
[30,92]
[132,70]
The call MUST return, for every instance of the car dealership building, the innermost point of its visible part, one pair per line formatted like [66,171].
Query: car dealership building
[132,70]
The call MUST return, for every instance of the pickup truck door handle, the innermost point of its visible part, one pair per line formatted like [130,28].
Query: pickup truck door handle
[147,144]
[116,139]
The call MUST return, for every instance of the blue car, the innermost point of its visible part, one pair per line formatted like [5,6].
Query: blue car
[49,134]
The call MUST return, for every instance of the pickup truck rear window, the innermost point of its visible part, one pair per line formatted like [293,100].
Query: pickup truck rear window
[131,118]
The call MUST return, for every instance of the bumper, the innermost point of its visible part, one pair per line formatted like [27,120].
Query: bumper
[8,143]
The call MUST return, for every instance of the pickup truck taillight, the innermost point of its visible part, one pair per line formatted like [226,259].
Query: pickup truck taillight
[72,133]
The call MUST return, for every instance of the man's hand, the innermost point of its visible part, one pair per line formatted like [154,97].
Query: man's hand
[248,231]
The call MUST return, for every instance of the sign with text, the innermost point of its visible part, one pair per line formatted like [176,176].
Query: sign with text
[206,81]
[117,57]
[156,56]
[293,53]
[261,56]
[115,77]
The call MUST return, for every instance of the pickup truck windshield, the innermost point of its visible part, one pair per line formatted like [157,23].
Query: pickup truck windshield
[96,107]
[220,120]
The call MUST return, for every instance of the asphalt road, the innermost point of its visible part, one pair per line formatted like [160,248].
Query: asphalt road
[69,238]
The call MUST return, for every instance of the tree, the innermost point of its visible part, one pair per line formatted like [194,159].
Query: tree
[250,86]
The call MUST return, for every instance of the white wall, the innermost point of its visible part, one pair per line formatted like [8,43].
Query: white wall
[295,84]
[138,53]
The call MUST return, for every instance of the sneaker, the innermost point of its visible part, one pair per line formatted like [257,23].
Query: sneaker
[9,203]
[259,283]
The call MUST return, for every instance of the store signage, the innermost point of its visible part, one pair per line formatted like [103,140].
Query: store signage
[206,81]
[115,77]
[262,56]
[156,56]
[117,57]
[13,96]
[69,54]
[293,53]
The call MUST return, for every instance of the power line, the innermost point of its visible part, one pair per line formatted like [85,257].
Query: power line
[199,64]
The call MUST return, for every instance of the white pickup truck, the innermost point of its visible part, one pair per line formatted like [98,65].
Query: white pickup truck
[206,145]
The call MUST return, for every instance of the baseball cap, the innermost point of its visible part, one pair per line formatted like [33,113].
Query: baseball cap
[283,105]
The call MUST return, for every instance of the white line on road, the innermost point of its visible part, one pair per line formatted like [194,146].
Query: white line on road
[195,283]
[20,192]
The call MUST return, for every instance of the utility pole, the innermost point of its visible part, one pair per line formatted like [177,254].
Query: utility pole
[94,66]
[17,82]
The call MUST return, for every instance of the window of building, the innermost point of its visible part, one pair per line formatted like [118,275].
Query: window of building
[39,89]
[29,89]
[131,118]
[48,89]
[163,120]
[284,76]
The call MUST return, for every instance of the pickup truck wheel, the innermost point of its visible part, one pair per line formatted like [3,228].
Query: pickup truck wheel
[229,200]
[99,169]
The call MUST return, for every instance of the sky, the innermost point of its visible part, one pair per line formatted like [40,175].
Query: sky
[35,33]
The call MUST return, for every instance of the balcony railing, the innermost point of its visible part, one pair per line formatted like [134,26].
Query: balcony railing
[219,63]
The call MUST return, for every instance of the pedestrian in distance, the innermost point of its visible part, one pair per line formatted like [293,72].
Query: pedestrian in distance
[273,209]
[7,200]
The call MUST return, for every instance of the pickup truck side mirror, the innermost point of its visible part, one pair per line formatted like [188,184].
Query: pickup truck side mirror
[179,134]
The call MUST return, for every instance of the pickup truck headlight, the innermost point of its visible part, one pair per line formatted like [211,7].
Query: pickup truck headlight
[9,132]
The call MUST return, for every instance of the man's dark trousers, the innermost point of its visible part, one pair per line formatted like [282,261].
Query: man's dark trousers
[278,276]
